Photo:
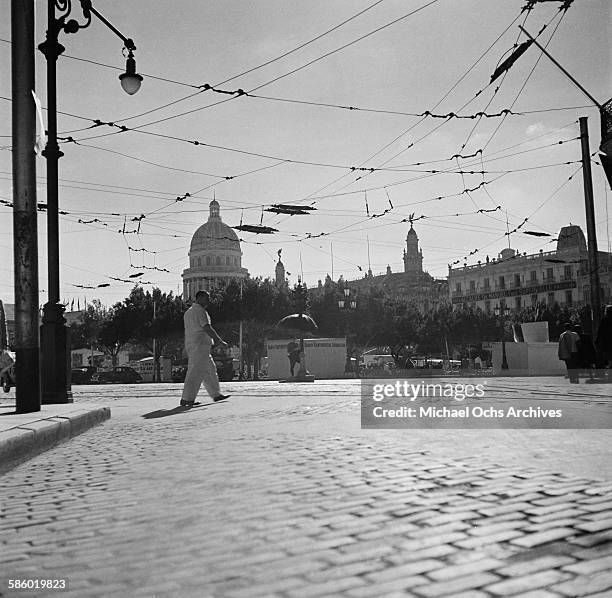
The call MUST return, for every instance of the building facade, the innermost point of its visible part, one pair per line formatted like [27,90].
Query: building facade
[215,256]
[412,285]
[519,281]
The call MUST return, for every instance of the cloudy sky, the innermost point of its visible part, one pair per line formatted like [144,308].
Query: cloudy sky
[292,139]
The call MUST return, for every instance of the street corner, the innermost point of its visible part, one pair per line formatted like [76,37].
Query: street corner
[25,435]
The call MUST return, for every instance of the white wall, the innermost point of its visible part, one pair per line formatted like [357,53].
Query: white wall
[528,359]
[325,358]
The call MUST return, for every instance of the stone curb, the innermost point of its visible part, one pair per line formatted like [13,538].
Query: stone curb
[39,433]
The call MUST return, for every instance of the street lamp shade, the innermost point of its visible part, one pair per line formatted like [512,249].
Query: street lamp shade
[299,322]
[130,80]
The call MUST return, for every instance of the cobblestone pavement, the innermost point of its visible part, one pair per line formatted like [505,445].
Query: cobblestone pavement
[278,492]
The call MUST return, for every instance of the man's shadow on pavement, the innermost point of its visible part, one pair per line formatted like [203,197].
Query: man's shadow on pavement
[176,411]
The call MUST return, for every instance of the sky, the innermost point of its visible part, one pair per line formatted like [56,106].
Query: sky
[465,182]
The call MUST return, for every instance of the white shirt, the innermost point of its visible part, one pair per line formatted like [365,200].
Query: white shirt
[195,319]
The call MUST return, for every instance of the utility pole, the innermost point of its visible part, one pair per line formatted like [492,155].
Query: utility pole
[604,112]
[155,376]
[27,362]
[590,222]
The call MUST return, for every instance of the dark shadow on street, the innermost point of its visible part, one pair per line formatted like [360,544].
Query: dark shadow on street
[176,411]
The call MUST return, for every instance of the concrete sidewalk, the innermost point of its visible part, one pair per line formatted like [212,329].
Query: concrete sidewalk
[24,435]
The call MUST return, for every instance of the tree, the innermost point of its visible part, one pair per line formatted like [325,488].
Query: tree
[116,330]
[258,304]
[85,332]
[156,320]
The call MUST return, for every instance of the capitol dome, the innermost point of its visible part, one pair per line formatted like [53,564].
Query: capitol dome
[214,234]
[215,256]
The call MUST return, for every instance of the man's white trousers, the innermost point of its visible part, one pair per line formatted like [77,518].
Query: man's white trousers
[201,368]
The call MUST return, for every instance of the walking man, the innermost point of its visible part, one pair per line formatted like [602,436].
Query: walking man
[199,338]
[568,352]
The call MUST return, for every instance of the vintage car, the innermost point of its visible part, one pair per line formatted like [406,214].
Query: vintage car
[121,374]
[82,375]
[7,370]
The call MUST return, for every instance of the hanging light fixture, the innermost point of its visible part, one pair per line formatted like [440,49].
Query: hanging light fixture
[130,80]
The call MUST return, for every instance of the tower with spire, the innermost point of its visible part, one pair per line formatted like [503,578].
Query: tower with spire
[413,256]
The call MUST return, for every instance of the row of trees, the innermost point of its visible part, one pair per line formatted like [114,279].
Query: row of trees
[145,317]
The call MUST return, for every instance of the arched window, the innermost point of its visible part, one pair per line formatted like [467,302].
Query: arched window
[199,261]
[218,261]
[208,260]
[227,260]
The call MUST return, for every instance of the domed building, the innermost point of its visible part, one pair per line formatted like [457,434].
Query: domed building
[215,257]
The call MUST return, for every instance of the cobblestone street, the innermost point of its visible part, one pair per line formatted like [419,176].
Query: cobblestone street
[278,492]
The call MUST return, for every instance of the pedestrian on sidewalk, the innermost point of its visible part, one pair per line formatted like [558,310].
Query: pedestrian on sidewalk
[568,352]
[293,353]
[603,341]
[199,338]
[586,357]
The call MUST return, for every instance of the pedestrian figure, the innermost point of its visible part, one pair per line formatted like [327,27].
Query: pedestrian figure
[293,352]
[568,351]
[199,338]
[603,341]
[587,356]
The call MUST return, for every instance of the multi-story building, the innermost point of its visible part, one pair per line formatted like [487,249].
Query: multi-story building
[412,285]
[215,257]
[517,281]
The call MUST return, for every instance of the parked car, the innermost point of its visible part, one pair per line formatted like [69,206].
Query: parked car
[122,374]
[7,377]
[82,375]
[7,370]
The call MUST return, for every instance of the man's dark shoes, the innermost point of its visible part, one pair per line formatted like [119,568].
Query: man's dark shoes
[189,403]
[221,398]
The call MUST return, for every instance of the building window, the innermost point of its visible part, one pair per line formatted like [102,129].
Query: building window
[502,304]
[487,306]
[534,300]
[227,260]
[458,287]
[567,272]
[218,261]
[486,284]
[517,280]
[551,299]
[534,276]
[568,298]
[208,260]
[472,285]
[517,303]
[549,274]
[502,282]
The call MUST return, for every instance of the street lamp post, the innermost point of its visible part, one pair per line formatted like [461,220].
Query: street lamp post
[54,333]
[347,303]
[503,311]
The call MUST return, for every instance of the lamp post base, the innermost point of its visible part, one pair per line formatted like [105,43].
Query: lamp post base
[54,342]
[504,365]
